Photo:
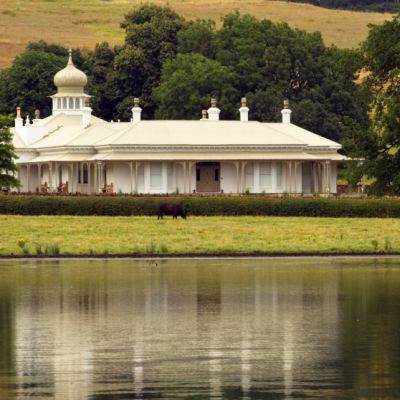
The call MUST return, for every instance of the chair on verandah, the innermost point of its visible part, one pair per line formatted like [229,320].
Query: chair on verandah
[108,189]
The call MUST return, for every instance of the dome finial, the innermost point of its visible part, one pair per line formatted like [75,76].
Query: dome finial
[70,62]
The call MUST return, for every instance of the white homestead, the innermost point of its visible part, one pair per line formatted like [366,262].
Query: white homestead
[73,151]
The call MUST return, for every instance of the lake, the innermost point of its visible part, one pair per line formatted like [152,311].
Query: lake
[312,328]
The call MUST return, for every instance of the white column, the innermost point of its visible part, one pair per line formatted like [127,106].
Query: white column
[81,177]
[136,187]
[50,175]
[94,178]
[39,169]
[188,176]
[237,165]
[132,175]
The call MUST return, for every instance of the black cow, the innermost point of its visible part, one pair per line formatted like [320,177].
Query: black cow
[175,210]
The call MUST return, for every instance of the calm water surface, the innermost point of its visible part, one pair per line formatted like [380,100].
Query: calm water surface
[199,329]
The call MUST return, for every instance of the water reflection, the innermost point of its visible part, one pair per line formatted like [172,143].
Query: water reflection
[195,329]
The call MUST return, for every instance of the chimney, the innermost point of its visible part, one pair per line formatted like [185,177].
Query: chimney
[213,111]
[286,112]
[244,110]
[86,114]
[204,115]
[136,110]
[37,116]
[18,120]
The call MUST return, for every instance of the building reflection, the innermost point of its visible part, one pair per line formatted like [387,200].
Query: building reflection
[110,330]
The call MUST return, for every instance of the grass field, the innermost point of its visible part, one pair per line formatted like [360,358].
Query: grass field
[82,23]
[143,235]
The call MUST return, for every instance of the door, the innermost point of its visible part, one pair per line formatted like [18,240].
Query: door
[208,177]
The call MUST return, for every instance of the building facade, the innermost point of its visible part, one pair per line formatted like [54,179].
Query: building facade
[73,151]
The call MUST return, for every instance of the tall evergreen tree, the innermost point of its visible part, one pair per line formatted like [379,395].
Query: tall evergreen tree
[7,155]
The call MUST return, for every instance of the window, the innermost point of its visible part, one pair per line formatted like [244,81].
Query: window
[265,176]
[59,104]
[71,103]
[216,175]
[155,175]
[85,174]
[64,103]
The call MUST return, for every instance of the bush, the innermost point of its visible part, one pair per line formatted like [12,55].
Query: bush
[196,205]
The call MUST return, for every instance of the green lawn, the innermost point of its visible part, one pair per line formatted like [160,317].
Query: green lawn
[126,235]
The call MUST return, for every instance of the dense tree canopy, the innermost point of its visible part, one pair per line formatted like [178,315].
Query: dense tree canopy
[188,82]
[267,63]
[151,40]
[379,146]
[7,155]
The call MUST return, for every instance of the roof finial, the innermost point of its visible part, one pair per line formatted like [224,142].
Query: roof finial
[213,102]
[18,112]
[70,62]
[244,102]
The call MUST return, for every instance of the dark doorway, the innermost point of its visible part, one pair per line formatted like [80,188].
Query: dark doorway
[208,177]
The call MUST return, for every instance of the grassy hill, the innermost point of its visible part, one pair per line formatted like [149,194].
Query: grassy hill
[82,23]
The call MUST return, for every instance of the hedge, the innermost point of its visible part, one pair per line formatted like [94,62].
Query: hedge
[194,205]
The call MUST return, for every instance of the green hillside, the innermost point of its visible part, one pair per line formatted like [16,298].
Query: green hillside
[81,24]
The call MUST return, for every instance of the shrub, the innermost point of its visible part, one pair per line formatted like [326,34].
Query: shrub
[200,205]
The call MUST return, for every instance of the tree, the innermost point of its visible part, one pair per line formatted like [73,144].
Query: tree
[151,40]
[101,65]
[379,145]
[187,85]
[7,155]
[270,62]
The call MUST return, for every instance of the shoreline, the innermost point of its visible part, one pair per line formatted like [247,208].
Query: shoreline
[196,256]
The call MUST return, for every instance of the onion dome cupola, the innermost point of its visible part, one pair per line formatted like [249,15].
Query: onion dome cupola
[70,83]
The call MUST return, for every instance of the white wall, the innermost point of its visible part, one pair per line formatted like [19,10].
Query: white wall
[122,181]
[179,177]
[228,176]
